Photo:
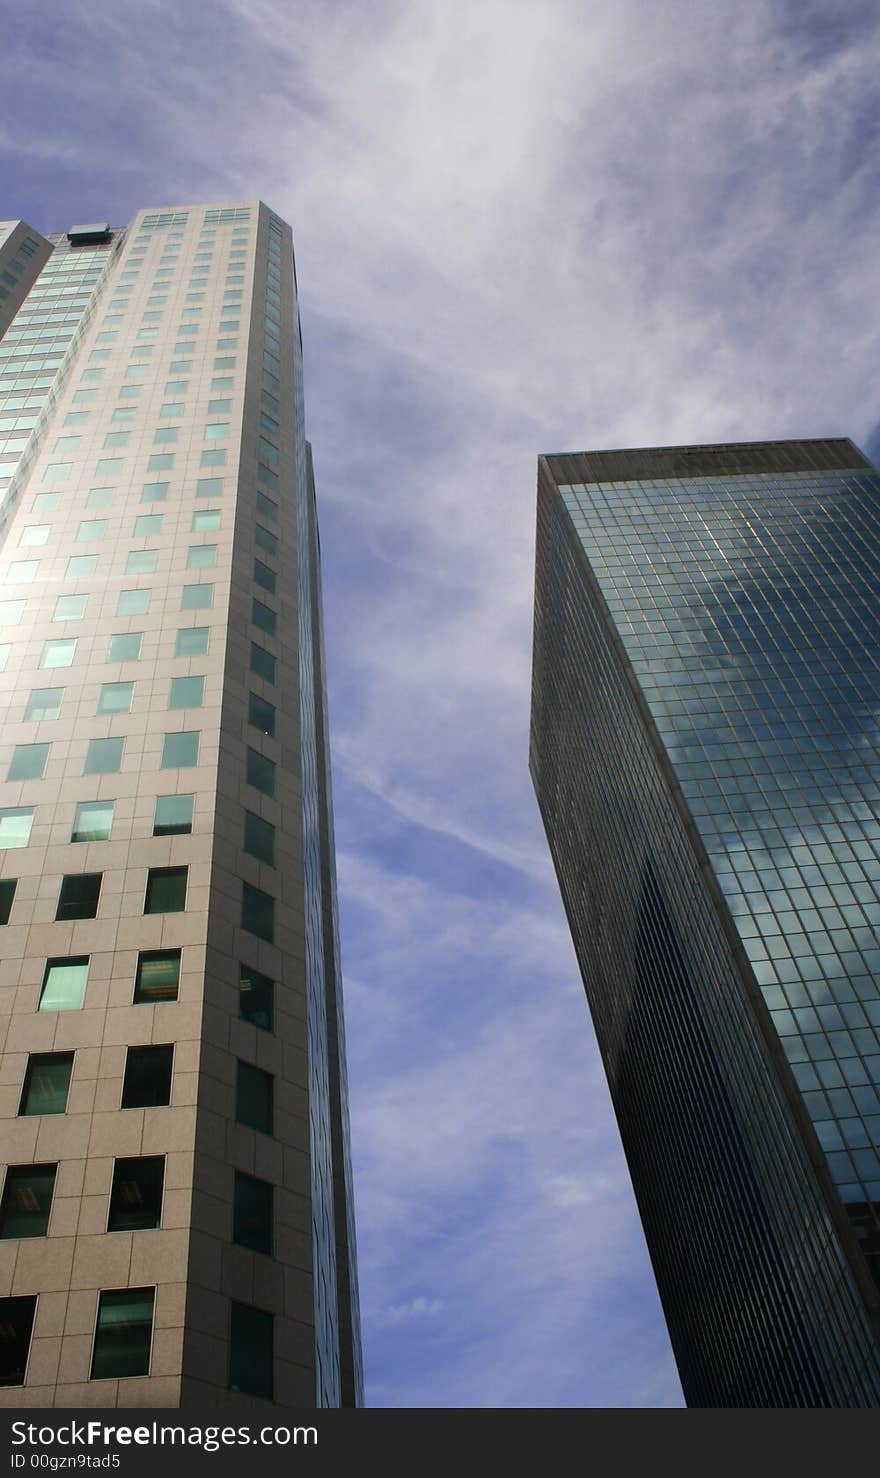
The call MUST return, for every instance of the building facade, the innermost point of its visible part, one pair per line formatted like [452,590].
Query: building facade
[176,1221]
[706,756]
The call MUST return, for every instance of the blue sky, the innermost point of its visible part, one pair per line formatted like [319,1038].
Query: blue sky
[519,228]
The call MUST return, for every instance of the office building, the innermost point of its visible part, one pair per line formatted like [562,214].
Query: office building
[176,1223]
[705,752]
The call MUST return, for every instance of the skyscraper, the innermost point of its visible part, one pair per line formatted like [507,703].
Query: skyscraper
[176,1223]
[706,756]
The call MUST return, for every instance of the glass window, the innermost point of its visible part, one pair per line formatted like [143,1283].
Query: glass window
[22,571]
[261,714]
[160,462]
[256,998]
[91,528]
[100,497]
[219,431]
[171,410]
[207,487]
[259,838]
[116,438]
[201,556]
[252,1213]
[192,641]
[154,492]
[81,567]
[115,697]
[264,576]
[11,612]
[262,663]
[147,524]
[263,617]
[205,518]
[147,1081]
[136,1194]
[258,912]
[213,458]
[43,703]
[260,772]
[166,890]
[125,646]
[186,692]
[64,984]
[265,539]
[108,466]
[70,608]
[46,503]
[57,471]
[92,821]
[28,762]
[266,506]
[35,533]
[220,382]
[104,756]
[253,1097]
[158,976]
[197,597]
[219,407]
[27,1200]
[79,896]
[165,434]
[141,562]
[7,898]
[133,603]
[16,1321]
[123,1334]
[250,1351]
[176,387]
[180,751]
[174,814]
[46,1083]
[59,653]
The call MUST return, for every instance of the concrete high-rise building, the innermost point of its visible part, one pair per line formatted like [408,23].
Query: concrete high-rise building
[176,1223]
[706,755]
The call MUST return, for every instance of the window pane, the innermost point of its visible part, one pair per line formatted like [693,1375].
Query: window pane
[91,528]
[201,556]
[266,506]
[81,567]
[179,751]
[147,524]
[11,612]
[256,998]
[147,1082]
[264,576]
[261,714]
[100,497]
[252,1213]
[259,838]
[70,607]
[27,1200]
[133,603]
[64,984]
[44,703]
[104,756]
[250,1351]
[166,890]
[136,1195]
[260,772]
[258,912]
[141,562]
[22,571]
[155,492]
[59,653]
[205,518]
[196,597]
[262,663]
[186,692]
[123,1334]
[206,487]
[28,762]
[125,646]
[115,698]
[253,1097]
[16,1321]
[173,816]
[46,1083]
[158,976]
[264,617]
[92,822]
[79,896]
[192,641]
[7,898]
[266,539]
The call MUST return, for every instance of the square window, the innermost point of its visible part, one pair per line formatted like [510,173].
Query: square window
[180,751]
[108,466]
[256,995]
[79,896]
[27,1200]
[64,984]
[250,1351]
[166,890]
[11,612]
[260,772]
[219,407]
[174,815]
[154,492]
[115,698]
[43,704]
[197,597]
[70,608]
[136,1194]
[92,821]
[46,1083]
[213,458]
[252,1213]
[125,646]
[259,838]
[57,471]
[133,603]
[265,539]
[205,518]
[28,762]
[116,438]
[160,462]
[263,617]
[201,556]
[91,528]
[264,576]
[147,1082]
[192,641]
[123,1334]
[59,653]
[35,533]
[221,382]
[254,1091]
[186,692]
[147,524]
[142,562]
[81,567]
[100,497]
[158,976]
[7,898]
[219,431]
[46,503]
[266,506]
[104,756]
[209,487]
[262,663]
[258,912]
[176,387]
[16,1321]
[22,571]
[171,410]
[261,714]
[165,434]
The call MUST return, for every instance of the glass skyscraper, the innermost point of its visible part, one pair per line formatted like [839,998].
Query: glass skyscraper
[706,755]
[176,1219]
